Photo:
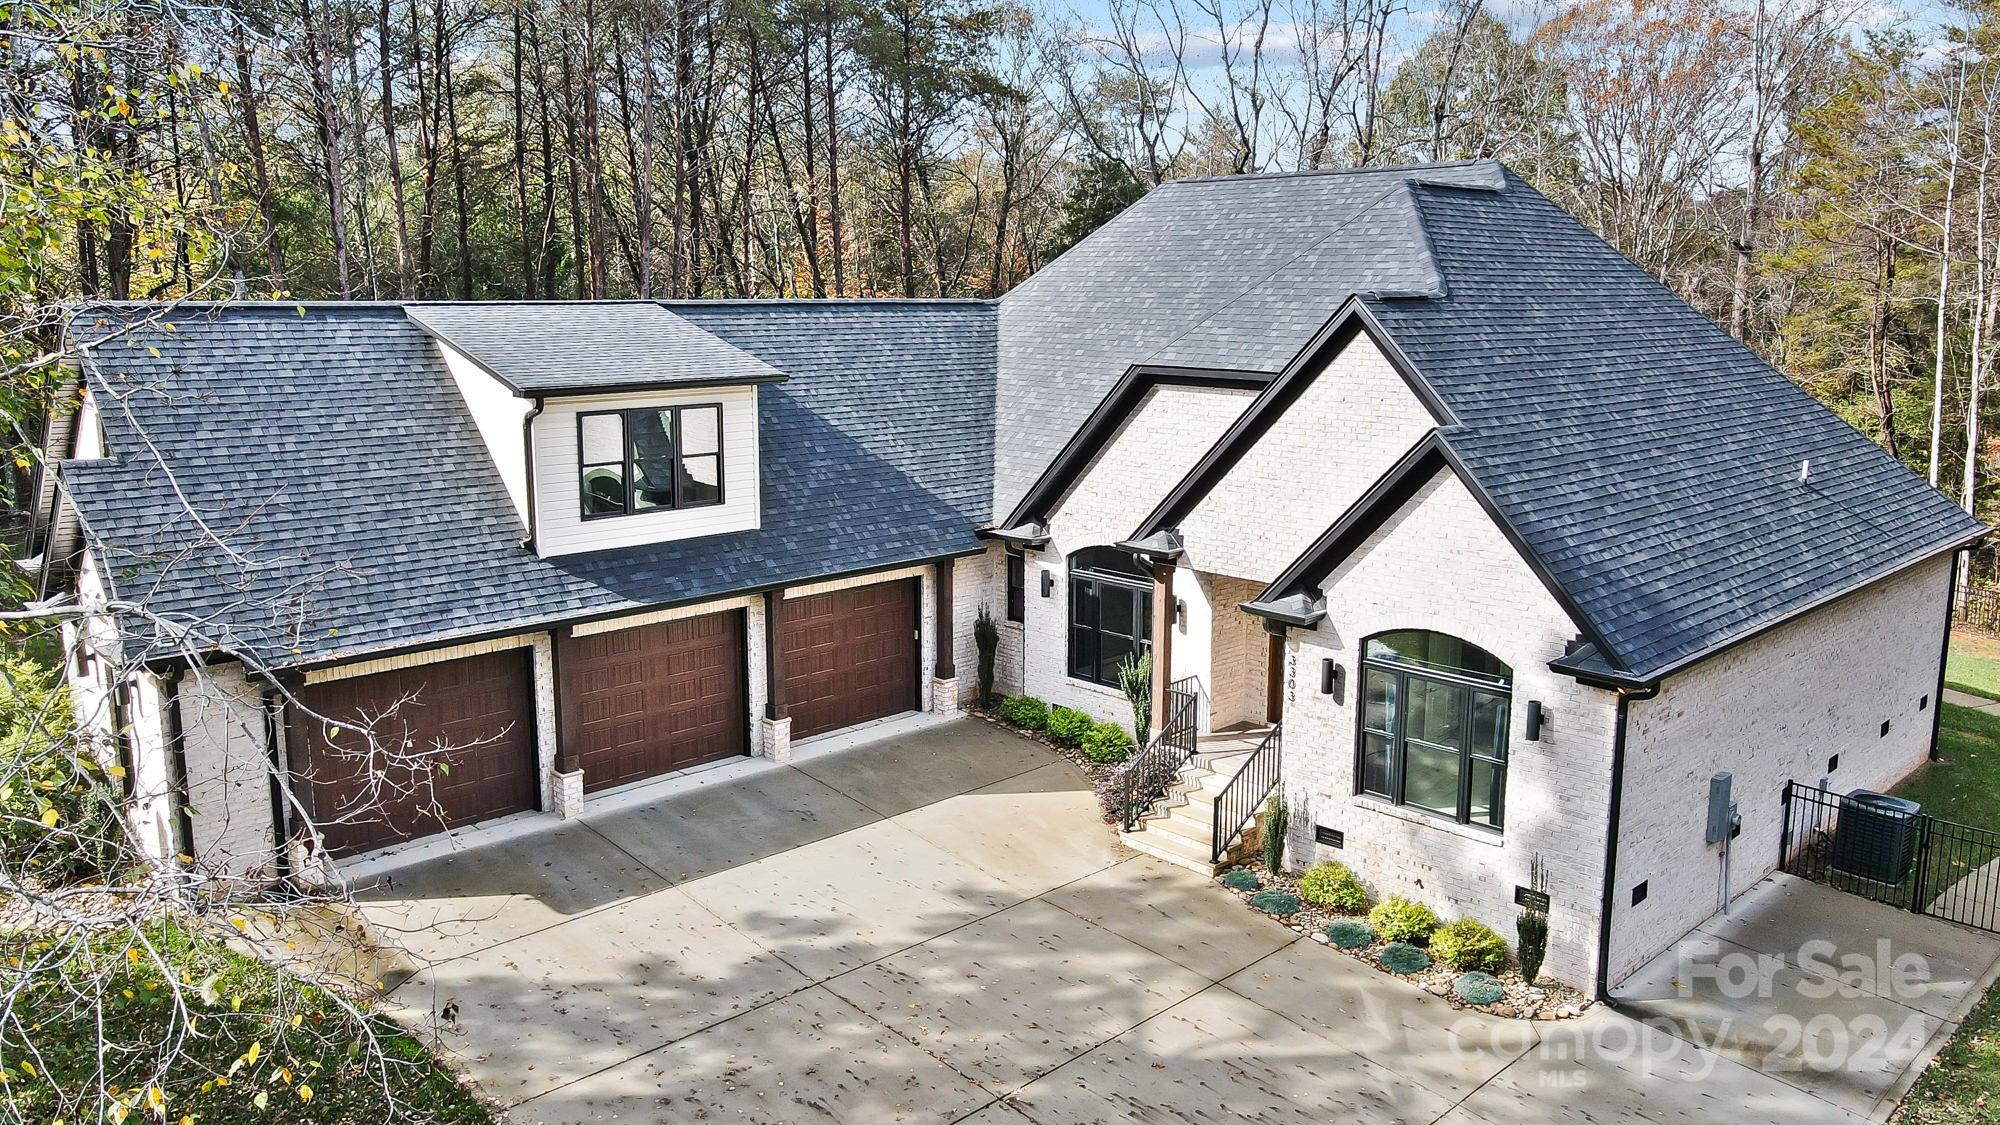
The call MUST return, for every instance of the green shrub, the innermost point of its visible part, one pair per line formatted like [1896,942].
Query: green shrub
[1067,727]
[1403,958]
[1350,933]
[1106,742]
[1479,988]
[1277,821]
[58,819]
[1468,946]
[1533,930]
[986,635]
[1242,879]
[1278,904]
[1398,919]
[1026,712]
[1333,887]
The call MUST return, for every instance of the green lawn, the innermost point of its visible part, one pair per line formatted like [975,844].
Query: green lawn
[1973,664]
[1964,783]
[1963,1086]
[309,1064]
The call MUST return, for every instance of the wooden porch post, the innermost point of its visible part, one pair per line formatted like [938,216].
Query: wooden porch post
[1163,643]
[941,621]
[775,706]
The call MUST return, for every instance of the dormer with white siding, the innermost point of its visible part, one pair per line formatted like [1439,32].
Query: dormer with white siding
[612,424]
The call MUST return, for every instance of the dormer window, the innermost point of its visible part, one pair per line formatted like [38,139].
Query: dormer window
[650,459]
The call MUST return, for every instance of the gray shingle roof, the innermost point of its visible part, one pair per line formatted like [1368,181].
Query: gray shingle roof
[571,347]
[1133,290]
[1647,460]
[874,455]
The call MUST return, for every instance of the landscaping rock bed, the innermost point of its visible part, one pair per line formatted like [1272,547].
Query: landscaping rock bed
[1546,1000]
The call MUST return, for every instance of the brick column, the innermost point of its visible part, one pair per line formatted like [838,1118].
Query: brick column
[944,674]
[774,729]
[1163,643]
[566,780]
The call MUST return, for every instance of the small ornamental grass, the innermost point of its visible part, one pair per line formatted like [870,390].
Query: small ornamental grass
[1278,904]
[1470,946]
[1479,988]
[1398,919]
[1332,886]
[1350,933]
[1068,726]
[1402,958]
[1242,879]
[1106,742]
[1025,711]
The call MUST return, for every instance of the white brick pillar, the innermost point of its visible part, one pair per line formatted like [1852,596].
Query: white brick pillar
[944,671]
[774,738]
[566,793]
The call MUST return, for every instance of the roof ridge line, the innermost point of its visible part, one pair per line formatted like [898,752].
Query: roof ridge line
[1405,170]
[1252,285]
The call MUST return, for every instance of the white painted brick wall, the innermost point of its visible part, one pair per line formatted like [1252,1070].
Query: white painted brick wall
[1770,710]
[1441,564]
[1166,434]
[1336,439]
[228,770]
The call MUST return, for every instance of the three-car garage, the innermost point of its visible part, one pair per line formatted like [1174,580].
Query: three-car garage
[631,701]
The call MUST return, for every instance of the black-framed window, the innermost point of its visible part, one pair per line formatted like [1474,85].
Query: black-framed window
[649,458]
[1110,613]
[1017,586]
[1433,735]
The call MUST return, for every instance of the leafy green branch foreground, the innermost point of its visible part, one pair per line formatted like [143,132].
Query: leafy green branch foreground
[107,1035]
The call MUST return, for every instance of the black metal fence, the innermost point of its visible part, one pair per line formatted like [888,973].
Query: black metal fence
[1913,861]
[1978,607]
[1151,772]
[1244,795]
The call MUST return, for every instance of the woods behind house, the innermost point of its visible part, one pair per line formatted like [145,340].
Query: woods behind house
[1819,178]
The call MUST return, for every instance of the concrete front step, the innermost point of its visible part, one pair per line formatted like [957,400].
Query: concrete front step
[1177,850]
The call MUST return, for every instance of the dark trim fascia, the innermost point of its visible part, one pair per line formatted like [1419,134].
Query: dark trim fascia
[1110,413]
[1944,653]
[1653,679]
[554,625]
[1012,537]
[1350,320]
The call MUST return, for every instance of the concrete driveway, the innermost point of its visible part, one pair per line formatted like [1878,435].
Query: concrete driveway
[937,928]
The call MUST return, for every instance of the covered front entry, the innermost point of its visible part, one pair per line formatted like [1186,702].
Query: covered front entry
[361,797]
[651,699]
[849,655]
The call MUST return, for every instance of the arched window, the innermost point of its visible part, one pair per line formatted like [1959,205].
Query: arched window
[1434,725]
[1110,613]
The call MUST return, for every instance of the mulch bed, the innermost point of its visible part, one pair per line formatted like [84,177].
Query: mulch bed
[1545,1000]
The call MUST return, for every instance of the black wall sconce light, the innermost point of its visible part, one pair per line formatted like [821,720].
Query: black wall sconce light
[1048,583]
[1536,716]
[1330,675]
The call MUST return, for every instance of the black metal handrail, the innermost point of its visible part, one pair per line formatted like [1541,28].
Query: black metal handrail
[1239,800]
[1151,772]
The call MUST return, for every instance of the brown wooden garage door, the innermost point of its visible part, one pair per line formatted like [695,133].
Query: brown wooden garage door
[643,701]
[482,707]
[850,656]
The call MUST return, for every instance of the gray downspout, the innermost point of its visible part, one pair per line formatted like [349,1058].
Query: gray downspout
[281,819]
[177,766]
[1944,653]
[1610,897]
[528,466]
